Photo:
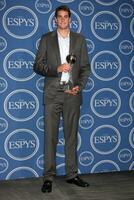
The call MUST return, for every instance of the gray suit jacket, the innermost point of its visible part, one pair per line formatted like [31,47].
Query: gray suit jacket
[48,59]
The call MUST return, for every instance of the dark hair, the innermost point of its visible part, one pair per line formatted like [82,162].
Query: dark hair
[65,8]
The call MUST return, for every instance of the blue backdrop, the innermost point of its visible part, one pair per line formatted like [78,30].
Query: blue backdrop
[106,131]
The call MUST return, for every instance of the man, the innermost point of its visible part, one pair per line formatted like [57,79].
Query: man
[60,98]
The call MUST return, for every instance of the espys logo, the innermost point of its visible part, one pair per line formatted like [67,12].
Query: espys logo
[131,138]
[90,46]
[125,83]
[3,85]
[20,22]
[3,125]
[105,103]
[2,4]
[132,27]
[61,143]
[21,105]
[75,24]
[126,47]
[106,26]
[105,166]
[125,155]
[21,144]
[126,10]
[40,84]
[89,85]
[125,120]
[43,6]
[86,121]
[86,158]
[18,65]
[40,162]
[105,139]
[3,165]
[40,123]
[22,172]
[106,65]
[131,102]
[106,3]
[86,8]
[132,66]
[3,44]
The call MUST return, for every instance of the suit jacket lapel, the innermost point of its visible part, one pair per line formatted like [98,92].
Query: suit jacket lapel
[72,43]
[71,50]
[56,46]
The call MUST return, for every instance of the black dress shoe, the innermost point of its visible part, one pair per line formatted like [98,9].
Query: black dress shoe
[77,181]
[47,186]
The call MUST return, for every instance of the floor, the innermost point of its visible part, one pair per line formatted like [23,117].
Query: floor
[103,186]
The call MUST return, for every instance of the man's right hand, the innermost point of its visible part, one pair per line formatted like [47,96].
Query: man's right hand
[63,68]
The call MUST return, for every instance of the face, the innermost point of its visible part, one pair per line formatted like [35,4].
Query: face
[63,20]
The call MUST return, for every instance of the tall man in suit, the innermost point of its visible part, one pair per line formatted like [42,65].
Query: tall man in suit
[60,97]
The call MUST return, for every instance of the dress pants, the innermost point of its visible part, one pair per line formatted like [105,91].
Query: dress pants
[70,109]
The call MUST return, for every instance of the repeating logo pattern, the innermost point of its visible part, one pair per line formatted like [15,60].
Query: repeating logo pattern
[105,166]
[22,172]
[40,84]
[21,144]
[132,66]
[86,8]
[106,3]
[105,130]
[125,84]
[2,4]
[20,22]
[106,65]
[3,125]
[90,46]
[22,60]
[105,103]
[125,155]
[40,162]
[126,47]
[125,119]
[106,26]
[3,165]
[3,44]
[86,121]
[43,6]
[86,158]
[21,105]
[105,139]
[126,10]
[3,85]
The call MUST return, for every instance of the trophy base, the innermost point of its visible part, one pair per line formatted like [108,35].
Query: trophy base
[65,86]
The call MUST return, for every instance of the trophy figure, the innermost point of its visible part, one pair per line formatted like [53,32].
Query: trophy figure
[71,59]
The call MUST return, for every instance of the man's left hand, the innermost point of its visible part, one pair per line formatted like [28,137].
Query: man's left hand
[74,91]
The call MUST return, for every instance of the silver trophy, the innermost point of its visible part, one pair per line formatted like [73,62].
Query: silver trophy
[71,59]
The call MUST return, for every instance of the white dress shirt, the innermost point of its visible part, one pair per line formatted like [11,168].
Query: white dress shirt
[64,51]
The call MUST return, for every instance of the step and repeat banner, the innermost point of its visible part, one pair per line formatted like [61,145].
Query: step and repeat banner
[106,124]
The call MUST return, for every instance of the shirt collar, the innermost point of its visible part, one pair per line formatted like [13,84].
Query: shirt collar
[60,36]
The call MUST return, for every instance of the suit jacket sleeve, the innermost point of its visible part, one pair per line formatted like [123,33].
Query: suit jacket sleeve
[84,65]
[41,65]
